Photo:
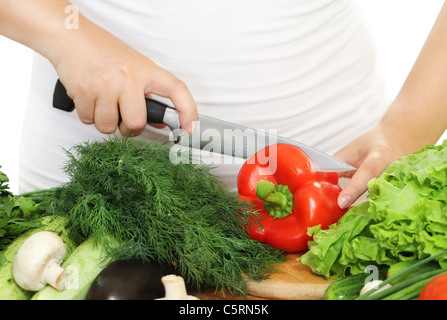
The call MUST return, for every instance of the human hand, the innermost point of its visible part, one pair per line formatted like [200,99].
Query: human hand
[106,79]
[371,154]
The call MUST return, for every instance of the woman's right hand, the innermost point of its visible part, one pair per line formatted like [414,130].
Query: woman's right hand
[106,78]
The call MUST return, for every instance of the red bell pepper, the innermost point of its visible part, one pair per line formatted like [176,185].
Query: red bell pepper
[290,194]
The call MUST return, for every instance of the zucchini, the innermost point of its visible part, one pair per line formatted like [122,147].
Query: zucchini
[83,265]
[9,290]
[349,287]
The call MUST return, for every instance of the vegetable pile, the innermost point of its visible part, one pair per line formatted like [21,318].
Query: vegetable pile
[126,201]
[129,216]
[403,219]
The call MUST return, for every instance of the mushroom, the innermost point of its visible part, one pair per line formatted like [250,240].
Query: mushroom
[175,288]
[37,263]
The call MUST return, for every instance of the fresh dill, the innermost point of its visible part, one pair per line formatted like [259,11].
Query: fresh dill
[129,190]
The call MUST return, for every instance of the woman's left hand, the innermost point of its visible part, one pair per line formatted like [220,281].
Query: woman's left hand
[371,154]
[417,117]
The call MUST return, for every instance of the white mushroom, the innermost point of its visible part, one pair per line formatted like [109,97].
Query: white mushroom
[37,263]
[175,288]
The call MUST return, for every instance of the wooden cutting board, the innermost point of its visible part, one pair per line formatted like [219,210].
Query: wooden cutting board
[293,281]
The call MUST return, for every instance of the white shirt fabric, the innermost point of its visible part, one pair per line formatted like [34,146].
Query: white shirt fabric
[306,69]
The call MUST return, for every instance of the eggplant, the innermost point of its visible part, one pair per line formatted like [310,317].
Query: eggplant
[132,279]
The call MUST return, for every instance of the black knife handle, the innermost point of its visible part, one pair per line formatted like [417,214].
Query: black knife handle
[155,109]
[61,100]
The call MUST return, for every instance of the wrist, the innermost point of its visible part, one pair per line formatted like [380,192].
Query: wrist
[35,24]
[64,42]
[409,126]
[46,27]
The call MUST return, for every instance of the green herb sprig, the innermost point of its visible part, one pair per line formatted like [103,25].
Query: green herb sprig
[18,213]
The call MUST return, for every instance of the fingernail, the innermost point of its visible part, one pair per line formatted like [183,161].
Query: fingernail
[191,127]
[344,201]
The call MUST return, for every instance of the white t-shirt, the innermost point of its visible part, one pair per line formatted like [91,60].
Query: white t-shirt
[306,69]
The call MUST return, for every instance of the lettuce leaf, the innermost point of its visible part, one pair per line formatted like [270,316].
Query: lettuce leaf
[404,218]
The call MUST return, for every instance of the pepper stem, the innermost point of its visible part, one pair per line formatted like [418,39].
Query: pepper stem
[278,199]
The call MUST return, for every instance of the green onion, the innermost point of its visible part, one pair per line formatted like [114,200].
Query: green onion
[373,295]
[407,287]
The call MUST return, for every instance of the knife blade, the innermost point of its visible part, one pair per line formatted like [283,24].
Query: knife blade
[215,135]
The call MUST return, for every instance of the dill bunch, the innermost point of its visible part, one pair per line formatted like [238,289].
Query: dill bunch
[128,190]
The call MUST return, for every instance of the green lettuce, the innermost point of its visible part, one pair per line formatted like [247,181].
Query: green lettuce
[404,218]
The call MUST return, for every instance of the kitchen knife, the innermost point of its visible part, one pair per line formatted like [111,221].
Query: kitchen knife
[216,135]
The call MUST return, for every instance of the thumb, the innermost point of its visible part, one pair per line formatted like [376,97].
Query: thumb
[370,168]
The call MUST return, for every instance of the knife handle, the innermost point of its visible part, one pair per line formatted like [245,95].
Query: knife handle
[155,109]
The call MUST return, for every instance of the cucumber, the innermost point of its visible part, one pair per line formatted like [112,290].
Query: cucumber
[9,290]
[349,287]
[83,265]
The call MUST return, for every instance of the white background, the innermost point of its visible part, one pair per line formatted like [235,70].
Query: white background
[400,28]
